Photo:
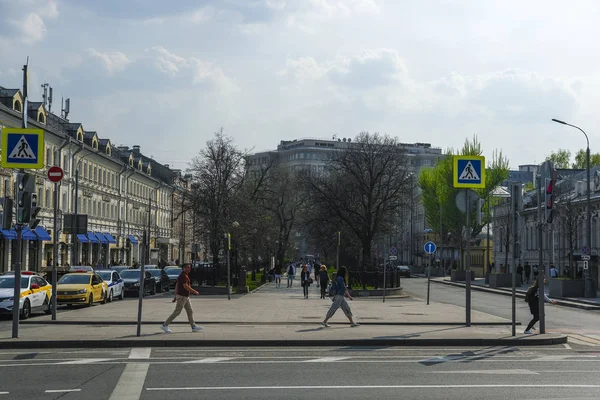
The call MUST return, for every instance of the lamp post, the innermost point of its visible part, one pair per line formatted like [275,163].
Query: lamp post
[590,291]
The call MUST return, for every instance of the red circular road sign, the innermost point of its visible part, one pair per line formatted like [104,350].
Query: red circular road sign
[55,174]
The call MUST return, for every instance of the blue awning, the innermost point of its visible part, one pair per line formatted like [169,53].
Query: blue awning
[101,238]
[41,233]
[109,237]
[28,234]
[9,234]
[132,239]
[92,237]
[82,238]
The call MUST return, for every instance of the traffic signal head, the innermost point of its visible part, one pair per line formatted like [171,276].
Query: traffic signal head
[25,189]
[7,212]
[34,210]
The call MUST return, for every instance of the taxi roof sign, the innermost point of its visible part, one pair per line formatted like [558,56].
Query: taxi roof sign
[469,172]
[22,148]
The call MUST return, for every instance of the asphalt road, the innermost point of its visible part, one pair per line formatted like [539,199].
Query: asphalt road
[302,373]
[558,318]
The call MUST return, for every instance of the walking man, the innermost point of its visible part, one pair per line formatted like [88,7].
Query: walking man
[291,273]
[277,275]
[182,300]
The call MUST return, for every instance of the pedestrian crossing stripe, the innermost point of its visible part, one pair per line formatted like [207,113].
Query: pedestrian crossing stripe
[469,173]
[22,150]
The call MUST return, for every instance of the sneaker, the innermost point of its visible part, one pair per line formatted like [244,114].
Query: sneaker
[354,324]
[196,328]
[528,332]
[165,329]
[325,325]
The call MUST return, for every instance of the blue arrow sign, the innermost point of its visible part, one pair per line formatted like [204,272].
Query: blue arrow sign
[430,247]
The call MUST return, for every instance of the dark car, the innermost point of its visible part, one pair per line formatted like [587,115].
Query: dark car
[173,274]
[131,279]
[161,278]
[403,270]
[120,268]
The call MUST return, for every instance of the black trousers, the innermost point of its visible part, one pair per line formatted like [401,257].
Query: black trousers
[305,288]
[534,308]
[323,291]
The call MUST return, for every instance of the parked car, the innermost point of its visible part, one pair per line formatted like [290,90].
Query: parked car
[76,268]
[131,279]
[151,266]
[404,270]
[161,278]
[120,268]
[116,287]
[36,293]
[81,288]
[173,274]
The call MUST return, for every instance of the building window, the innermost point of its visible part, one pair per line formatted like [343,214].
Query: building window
[104,177]
[18,106]
[41,118]
[95,174]
[48,156]
[48,197]
[66,163]
[108,150]
[80,136]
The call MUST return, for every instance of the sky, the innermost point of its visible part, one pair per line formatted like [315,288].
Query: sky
[167,75]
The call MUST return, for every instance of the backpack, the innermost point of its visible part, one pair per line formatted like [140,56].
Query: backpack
[531,294]
[291,270]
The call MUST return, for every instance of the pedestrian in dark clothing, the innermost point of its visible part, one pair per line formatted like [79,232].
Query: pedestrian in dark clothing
[305,280]
[527,272]
[339,300]
[533,299]
[520,272]
[323,280]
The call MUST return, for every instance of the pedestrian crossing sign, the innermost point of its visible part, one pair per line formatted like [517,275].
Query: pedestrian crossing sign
[22,148]
[469,172]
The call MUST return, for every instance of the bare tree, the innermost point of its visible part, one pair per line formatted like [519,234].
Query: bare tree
[363,187]
[569,212]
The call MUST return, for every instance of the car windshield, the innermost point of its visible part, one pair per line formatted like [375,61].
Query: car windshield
[8,282]
[106,275]
[155,272]
[173,271]
[130,274]
[75,279]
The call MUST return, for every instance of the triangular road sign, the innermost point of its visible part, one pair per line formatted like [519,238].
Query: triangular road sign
[469,173]
[22,150]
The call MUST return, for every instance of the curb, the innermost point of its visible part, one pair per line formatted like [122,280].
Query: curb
[72,344]
[519,293]
[301,323]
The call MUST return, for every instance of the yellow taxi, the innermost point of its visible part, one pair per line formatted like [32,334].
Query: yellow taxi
[36,293]
[81,287]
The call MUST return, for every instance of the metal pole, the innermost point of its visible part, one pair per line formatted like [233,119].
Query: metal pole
[487,245]
[514,194]
[441,243]
[428,277]
[228,267]
[468,262]
[140,296]
[384,276]
[337,257]
[17,291]
[590,291]
[54,252]
[541,257]
[74,245]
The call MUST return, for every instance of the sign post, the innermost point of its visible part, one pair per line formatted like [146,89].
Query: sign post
[429,248]
[55,174]
[392,257]
[468,173]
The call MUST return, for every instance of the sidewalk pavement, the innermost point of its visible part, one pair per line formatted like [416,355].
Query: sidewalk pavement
[479,284]
[271,317]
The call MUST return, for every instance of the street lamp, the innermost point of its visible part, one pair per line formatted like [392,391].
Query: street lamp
[590,291]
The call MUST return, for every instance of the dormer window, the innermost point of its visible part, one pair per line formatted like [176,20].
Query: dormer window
[17,106]
[149,170]
[140,165]
[95,144]
[41,118]
[108,150]
[131,160]
[80,136]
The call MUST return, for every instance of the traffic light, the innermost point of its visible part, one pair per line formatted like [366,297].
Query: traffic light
[7,212]
[33,210]
[25,188]
[479,210]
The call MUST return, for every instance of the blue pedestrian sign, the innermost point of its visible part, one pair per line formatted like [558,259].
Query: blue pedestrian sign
[22,148]
[469,172]
[393,251]
[430,247]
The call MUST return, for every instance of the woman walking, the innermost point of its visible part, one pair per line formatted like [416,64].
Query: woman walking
[533,298]
[323,280]
[339,300]
[305,280]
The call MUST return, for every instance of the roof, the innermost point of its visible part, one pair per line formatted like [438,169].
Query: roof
[34,105]
[104,142]
[8,92]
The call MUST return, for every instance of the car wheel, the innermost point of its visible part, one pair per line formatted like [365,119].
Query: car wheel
[103,297]
[90,300]
[26,311]
[48,309]
[110,296]
[122,295]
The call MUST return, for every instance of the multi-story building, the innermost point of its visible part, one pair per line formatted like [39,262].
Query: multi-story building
[127,196]
[313,153]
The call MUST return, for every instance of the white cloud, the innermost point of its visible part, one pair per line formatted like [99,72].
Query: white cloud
[275,4]
[207,72]
[377,67]
[303,68]
[252,29]
[202,15]
[33,28]
[112,61]
[25,21]
[167,62]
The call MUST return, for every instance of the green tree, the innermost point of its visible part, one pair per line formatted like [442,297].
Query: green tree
[439,195]
[581,160]
[561,158]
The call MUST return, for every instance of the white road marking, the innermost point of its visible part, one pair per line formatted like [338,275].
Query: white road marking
[488,372]
[303,387]
[140,352]
[209,360]
[131,382]
[85,361]
[62,390]
[4,392]
[567,346]
[326,359]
